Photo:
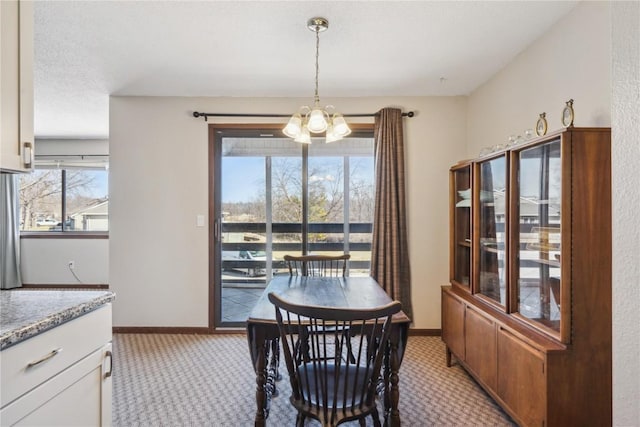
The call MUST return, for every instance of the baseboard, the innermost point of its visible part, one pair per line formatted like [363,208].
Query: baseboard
[63,286]
[160,330]
[425,332]
[207,331]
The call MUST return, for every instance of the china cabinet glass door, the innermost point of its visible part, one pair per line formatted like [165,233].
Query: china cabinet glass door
[461,225]
[539,192]
[491,201]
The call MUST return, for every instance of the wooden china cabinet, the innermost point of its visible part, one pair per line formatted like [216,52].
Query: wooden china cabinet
[528,310]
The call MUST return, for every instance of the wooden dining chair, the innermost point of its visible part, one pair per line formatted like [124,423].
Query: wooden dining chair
[329,387]
[317,265]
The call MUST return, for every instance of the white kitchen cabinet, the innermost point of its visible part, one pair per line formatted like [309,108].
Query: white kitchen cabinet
[61,377]
[16,86]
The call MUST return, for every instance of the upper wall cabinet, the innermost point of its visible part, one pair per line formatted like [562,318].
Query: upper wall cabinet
[16,86]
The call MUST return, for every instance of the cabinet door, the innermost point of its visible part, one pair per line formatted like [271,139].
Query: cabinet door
[480,345]
[460,238]
[453,326]
[491,201]
[16,84]
[78,396]
[541,178]
[522,379]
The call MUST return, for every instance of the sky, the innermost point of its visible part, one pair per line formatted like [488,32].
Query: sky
[243,177]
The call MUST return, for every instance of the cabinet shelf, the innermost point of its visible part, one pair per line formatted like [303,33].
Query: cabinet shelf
[549,262]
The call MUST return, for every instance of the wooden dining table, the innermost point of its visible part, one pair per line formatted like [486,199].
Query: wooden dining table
[346,292]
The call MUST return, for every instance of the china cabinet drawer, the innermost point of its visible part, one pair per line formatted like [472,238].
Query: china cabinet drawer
[32,362]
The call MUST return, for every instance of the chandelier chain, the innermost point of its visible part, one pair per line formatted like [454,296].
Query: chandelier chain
[317,97]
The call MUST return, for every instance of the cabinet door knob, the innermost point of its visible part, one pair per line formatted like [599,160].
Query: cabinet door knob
[44,358]
[108,373]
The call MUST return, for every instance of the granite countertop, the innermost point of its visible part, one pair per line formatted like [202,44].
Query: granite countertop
[26,313]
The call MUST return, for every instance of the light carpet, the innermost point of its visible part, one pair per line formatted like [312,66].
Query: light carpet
[207,380]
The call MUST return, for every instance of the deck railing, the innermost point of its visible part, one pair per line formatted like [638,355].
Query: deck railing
[255,240]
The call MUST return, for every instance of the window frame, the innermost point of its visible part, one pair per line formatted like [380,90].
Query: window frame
[217,132]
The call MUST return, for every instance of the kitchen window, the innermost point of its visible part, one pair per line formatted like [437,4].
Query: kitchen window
[66,194]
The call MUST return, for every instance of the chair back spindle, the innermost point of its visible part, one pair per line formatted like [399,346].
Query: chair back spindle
[317,265]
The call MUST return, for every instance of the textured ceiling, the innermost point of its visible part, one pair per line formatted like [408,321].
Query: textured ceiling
[88,50]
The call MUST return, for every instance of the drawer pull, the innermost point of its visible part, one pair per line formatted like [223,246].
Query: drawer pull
[110,371]
[44,358]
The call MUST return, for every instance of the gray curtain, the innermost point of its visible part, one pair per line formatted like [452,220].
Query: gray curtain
[9,232]
[389,248]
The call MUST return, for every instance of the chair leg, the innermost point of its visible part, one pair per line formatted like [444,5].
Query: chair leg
[300,420]
[376,418]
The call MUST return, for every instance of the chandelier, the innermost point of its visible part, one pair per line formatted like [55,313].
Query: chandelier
[316,120]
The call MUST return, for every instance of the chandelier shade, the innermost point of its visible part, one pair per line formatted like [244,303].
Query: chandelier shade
[340,126]
[304,136]
[332,136]
[316,120]
[294,127]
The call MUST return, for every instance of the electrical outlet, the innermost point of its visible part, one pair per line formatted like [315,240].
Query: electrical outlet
[72,264]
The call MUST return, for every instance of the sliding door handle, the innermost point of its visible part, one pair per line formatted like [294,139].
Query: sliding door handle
[216,230]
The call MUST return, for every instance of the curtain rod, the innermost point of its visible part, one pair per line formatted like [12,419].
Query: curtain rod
[205,115]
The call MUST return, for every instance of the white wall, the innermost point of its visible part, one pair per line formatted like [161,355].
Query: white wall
[45,261]
[626,201]
[158,184]
[570,61]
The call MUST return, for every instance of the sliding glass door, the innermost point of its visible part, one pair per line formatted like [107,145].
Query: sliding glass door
[271,196]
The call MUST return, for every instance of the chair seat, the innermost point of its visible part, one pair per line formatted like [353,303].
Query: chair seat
[349,379]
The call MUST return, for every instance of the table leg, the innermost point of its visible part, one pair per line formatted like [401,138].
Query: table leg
[386,374]
[394,390]
[261,386]
[393,358]
[264,348]
[272,371]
